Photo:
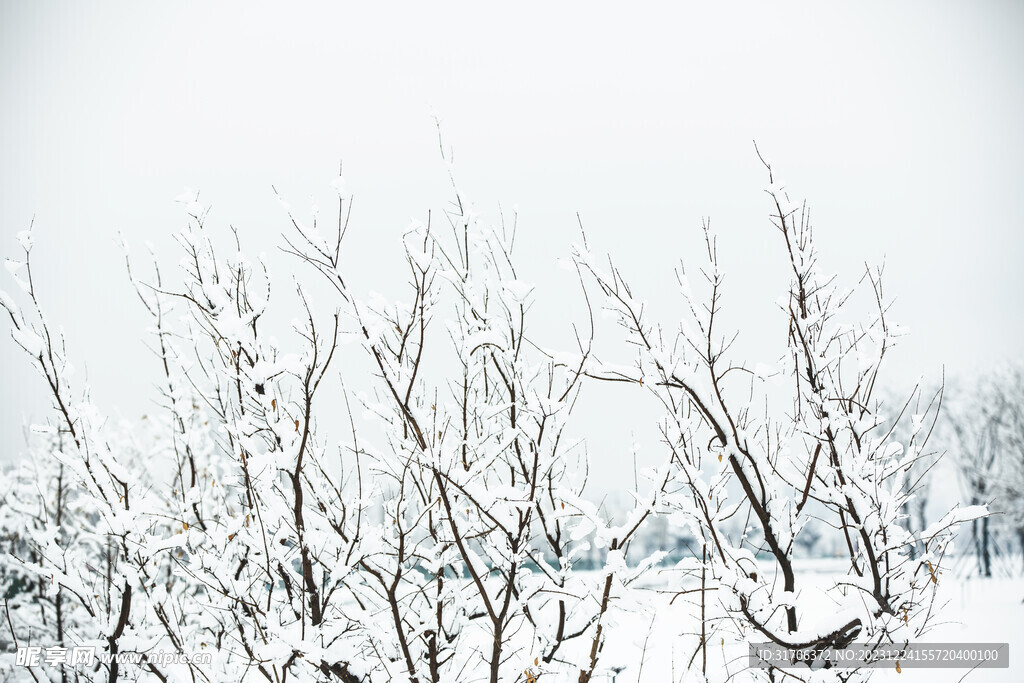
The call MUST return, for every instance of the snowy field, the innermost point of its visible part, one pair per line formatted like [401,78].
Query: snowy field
[975,610]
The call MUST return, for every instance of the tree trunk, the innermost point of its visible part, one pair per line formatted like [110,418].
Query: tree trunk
[986,558]
[1020,539]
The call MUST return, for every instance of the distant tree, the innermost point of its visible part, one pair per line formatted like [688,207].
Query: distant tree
[47,535]
[923,403]
[983,429]
[1009,488]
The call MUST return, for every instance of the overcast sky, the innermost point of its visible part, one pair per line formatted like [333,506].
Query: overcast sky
[901,123]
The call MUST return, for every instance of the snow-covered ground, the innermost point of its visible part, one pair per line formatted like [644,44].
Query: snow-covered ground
[975,610]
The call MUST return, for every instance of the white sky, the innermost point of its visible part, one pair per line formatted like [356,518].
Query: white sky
[900,123]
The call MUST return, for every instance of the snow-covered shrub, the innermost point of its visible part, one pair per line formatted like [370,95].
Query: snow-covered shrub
[433,535]
[230,524]
[483,514]
[777,446]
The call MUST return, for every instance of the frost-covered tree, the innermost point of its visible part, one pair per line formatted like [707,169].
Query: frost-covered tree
[779,447]
[440,547]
